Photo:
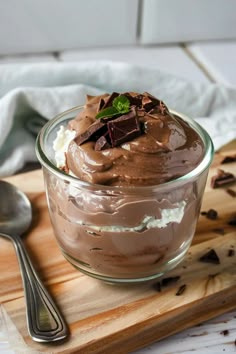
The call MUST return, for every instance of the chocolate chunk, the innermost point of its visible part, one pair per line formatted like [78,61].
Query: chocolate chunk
[225,332]
[101,104]
[210,257]
[150,102]
[110,100]
[232,221]
[222,178]
[147,103]
[124,128]
[165,282]
[134,100]
[229,159]
[210,214]
[231,253]
[231,192]
[170,280]
[93,132]
[155,100]
[102,143]
[181,290]
[219,230]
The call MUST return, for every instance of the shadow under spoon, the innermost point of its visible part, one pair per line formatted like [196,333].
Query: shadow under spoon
[44,321]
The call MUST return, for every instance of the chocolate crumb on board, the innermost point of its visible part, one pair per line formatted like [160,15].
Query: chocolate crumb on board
[222,178]
[231,192]
[210,257]
[181,290]
[231,253]
[165,282]
[219,230]
[210,214]
[225,332]
[232,221]
[229,159]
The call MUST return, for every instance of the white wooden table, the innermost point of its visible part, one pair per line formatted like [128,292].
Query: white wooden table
[206,61]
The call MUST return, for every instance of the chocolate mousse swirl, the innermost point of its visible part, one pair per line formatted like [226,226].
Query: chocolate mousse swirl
[131,139]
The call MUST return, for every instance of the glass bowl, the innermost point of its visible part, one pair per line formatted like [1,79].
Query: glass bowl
[122,234]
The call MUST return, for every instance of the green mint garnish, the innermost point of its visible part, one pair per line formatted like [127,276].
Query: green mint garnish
[120,105]
[107,112]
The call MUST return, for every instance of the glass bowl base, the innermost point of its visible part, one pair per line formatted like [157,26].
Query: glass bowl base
[166,267]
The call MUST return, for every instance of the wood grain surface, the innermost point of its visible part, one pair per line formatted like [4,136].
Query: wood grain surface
[120,318]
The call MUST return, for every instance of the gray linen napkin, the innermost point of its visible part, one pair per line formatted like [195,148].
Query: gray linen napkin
[32,94]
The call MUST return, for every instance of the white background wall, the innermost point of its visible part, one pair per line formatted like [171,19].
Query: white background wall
[31,26]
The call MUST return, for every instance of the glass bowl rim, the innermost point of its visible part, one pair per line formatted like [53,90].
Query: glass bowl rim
[199,169]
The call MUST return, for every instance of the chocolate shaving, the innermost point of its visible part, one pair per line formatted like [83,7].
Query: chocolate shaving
[163,108]
[229,159]
[93,132]
[210,257]
[222,178]
[231,253]
[225,332]
[231,192]
[210,214]
[232,221]
[101,104]
[124,128]
[165,282]
[147,103]
[181,290]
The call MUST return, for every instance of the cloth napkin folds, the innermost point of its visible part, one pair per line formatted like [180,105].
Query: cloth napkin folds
[32,94]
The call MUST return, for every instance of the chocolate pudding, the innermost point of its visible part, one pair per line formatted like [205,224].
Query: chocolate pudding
[146,146]
[125,205]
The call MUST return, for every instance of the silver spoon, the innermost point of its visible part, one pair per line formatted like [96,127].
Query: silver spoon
[44,321]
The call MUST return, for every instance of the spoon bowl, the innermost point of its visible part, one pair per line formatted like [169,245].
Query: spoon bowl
[44,321]
[15,210]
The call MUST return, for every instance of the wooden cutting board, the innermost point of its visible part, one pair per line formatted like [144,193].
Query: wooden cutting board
[119,319]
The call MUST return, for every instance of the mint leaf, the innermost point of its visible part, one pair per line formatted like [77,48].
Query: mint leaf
[107,112]
[121,103]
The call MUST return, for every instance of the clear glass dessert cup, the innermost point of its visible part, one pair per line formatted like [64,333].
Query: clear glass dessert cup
[122,234]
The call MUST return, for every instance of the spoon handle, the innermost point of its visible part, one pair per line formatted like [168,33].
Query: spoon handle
[45,323]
